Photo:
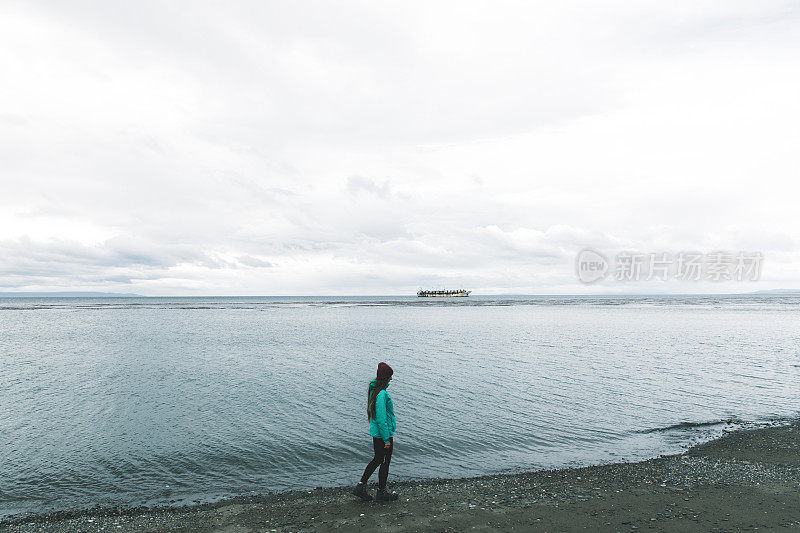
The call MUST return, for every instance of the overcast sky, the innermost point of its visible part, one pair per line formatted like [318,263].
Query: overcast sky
[378,147]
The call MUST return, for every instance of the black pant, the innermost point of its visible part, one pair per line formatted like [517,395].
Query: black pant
[382,457]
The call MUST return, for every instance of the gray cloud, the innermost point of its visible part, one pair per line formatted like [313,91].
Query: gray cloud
[24,258]
[253,262]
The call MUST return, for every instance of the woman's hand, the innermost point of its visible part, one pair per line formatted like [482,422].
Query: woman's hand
[388,445]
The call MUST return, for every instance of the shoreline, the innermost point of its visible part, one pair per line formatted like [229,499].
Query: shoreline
[746,479]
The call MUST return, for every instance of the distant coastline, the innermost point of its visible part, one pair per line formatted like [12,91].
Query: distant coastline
[777,292]
[68,295]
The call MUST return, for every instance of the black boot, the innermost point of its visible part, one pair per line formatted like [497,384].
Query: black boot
[386,496]
[361,491]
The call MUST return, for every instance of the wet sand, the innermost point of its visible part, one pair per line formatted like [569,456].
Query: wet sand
[747,480]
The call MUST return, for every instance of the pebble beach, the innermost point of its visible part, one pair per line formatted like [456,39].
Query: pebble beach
[747,480]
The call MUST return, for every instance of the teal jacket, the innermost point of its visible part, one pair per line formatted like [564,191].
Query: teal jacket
[383,424]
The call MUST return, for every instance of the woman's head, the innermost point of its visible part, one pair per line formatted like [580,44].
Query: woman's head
[381,382]
[384,372]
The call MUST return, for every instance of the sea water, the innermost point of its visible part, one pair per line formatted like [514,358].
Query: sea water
[129,401]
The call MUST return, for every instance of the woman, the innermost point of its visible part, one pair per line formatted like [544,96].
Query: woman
[380,413]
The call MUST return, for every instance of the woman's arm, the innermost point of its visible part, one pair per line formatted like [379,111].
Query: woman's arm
[380,416]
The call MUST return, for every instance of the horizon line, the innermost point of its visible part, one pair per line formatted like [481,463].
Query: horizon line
[102,294]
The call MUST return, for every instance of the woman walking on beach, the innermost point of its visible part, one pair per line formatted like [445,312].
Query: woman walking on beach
[380,413]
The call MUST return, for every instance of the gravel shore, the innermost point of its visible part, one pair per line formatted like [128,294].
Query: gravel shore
[747,480]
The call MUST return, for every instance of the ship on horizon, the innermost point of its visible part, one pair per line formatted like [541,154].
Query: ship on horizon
[455,293]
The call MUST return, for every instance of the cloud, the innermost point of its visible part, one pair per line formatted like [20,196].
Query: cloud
[358,184]
[317,148]
[253,262]
[116,260]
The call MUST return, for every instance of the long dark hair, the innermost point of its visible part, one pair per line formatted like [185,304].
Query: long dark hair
[372,394]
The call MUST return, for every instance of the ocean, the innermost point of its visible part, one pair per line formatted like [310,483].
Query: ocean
[167,401]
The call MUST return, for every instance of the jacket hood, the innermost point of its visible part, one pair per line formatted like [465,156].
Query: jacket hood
[374,382]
